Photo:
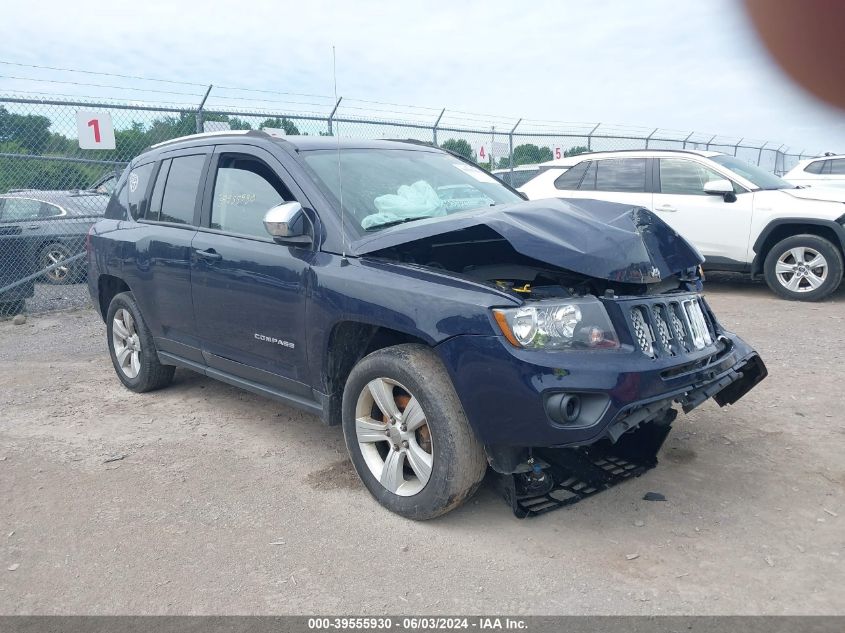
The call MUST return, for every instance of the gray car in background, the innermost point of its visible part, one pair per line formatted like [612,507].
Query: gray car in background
[43,231]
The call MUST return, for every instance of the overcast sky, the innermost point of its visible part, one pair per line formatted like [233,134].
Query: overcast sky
[653,63]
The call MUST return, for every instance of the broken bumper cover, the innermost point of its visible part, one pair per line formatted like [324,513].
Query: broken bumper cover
[506,392]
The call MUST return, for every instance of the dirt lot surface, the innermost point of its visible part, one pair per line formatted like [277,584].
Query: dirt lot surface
[218,501]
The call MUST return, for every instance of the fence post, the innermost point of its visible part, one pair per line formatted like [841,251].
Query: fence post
[648,138]
[436,123]
[686,139]
[198,115]
[510,151]
[590,137]
[707,147]
[760,153]
[738,143]
[331,116]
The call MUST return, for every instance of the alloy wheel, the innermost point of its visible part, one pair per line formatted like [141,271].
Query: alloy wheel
[127,343]
[801,269]
[394,437]
[60,273]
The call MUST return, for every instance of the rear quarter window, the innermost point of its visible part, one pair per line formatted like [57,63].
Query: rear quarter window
[137,185]
[118,206]
[815,167]
[571,178]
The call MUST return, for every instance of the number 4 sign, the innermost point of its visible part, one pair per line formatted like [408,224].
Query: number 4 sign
[482,155]
[95,130]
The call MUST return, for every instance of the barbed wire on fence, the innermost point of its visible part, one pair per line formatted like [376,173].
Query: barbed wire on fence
[51,190]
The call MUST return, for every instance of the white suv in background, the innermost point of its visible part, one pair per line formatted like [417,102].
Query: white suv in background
[741,217]
[825,171]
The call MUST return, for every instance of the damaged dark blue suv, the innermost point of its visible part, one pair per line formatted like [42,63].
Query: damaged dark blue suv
[401,291]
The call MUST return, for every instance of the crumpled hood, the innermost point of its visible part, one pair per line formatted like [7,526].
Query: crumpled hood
[595,238]
[822,194]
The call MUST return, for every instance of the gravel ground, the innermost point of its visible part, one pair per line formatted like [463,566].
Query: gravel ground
[219,501]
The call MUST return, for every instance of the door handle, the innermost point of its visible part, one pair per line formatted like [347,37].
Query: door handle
[34,226]
[668,208]
[209,255]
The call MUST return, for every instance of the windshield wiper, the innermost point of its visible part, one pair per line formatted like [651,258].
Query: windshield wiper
[384,225]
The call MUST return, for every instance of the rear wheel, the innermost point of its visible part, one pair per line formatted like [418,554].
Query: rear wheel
[407,433]
[53,254]
[803,268]
[132,349]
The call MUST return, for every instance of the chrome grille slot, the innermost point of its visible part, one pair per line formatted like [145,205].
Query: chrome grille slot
[671,328]
[678,327]
[696,324]
[642,332]
[662,328]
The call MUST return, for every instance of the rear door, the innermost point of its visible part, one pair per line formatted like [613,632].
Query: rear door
[718,228]
[248,291]
[622,180]
[158,264]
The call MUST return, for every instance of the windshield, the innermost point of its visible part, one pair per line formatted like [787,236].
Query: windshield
[384,187]
[761,178]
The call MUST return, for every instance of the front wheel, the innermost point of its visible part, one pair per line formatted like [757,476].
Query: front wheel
[407,433]
[803,268]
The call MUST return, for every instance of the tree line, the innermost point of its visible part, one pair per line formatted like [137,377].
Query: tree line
[31,134]
[525,154]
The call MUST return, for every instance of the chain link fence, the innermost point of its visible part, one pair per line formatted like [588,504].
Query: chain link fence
[51,190]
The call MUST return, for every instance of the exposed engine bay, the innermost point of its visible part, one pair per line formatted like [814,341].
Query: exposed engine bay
[481,254]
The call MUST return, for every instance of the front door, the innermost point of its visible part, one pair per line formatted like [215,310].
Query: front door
[248,291]
[718,228]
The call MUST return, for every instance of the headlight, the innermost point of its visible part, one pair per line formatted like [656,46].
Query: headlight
[572,323]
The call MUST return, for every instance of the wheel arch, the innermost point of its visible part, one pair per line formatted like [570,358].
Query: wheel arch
[108,286]
[780,229]
[347,343]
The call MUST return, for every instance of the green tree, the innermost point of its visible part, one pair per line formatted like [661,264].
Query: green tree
[29,131]
[528,153]
[458,146]
[574,151]
[281,123]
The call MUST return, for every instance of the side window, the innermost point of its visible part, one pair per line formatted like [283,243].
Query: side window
[571,177]
[180,191]
[815,167]
[623,174]
[16,209]
[154,209]
[117,208]
[837,166]
[588,182]
[136,189]
[685,177]
[48,210]
[244,190]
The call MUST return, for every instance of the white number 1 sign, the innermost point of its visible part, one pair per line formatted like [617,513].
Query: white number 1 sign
[95,130]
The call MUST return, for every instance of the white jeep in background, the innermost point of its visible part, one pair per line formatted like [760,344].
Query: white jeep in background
[741,217]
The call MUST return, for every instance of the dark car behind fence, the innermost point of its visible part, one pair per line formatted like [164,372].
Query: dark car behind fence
[51,191]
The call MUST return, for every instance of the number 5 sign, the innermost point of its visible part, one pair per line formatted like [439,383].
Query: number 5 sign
[95,130]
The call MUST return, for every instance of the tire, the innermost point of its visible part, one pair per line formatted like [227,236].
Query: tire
[51,254]
[429,420]
[131,347]
[788,275]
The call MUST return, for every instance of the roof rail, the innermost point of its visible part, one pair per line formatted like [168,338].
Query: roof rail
[179,139]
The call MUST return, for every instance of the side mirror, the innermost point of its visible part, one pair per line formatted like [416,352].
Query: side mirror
[287,224]
[722,188]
